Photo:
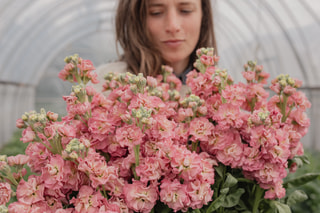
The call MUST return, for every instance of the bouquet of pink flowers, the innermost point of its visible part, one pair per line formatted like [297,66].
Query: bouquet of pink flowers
[224,147]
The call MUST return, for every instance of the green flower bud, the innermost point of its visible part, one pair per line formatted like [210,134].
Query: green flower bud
[73,155]
[3,209]
[73,145]
[290,81]
[24,117]
[134,88]
[263,115]
[3,158]
[283,82]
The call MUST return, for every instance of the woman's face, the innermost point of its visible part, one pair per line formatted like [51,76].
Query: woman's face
[174,27]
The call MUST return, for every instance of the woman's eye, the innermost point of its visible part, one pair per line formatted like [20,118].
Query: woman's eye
[155,13]
[186,11]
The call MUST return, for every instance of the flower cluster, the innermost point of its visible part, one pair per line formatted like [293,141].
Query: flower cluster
[144,146]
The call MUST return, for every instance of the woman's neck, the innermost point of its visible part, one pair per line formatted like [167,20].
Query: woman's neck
[179,67]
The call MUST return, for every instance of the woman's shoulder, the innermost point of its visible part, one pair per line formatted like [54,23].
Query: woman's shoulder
[102,70]
[116,67]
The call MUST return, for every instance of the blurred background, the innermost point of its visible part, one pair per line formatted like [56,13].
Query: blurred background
[36,36]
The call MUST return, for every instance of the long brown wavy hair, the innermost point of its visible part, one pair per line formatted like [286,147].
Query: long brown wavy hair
[138,50]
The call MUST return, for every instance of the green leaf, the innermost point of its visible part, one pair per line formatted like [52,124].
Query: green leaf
[224,191]
[233,199]
[216,204]
[301,180]
[280,207]
[296,197]
[220,170]
[230,181]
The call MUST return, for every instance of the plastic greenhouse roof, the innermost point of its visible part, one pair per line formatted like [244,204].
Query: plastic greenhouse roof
[283,36]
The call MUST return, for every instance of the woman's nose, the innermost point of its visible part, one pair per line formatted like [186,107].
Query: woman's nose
[173,23]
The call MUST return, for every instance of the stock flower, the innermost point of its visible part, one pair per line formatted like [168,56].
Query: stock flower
[150,169]
[174,194]
[200,129]
[18,160]
[52,173]
[31,191]
[86,65]
[232,154]
[18,207]
[186,164]
[5,193]
[129,135]
[87,162]
[200,193]
[28,135]
[88,200]
[100,123]
[96,168]
[38,155]
[228,115]
[140,198]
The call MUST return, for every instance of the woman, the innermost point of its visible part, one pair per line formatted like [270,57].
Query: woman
[156,32]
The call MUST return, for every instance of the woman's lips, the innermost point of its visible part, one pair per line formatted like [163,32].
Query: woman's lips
[173,43]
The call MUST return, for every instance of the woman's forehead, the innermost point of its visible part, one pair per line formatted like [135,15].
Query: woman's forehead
[162,2]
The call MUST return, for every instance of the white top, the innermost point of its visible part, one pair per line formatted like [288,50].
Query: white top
[119,67]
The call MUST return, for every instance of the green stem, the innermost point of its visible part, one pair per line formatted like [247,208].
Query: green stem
[194,146]
[136,150]
[257,198]
[283,108]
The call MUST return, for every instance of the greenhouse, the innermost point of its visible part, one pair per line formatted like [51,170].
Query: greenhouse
[225,148]
[36,36]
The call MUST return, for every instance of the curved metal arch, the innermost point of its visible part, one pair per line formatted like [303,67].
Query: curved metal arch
[290,42]
[303,39]
[250,27]
[18,54]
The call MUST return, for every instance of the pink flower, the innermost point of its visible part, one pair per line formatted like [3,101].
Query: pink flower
[31,191]
[69,210]
[96,167]
[228,116]
[52,173]
[234,94]
[90,91]
[38,155]
[300,117]
[52,116]
[101,123]
[66,71]
[161,127]
[140,198]
[129,135]
[18,207]
[5,193]
[93,77]
[174,194]
[174,82]
[28,135]
[88,200]
[86,65]
[207,60]
[20,123]
[66,130]
[249,75]
[301,100]
[200,193]
[185,164]
[200,129]
[18,160]
[232,154]
[150,169]
[275,191]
